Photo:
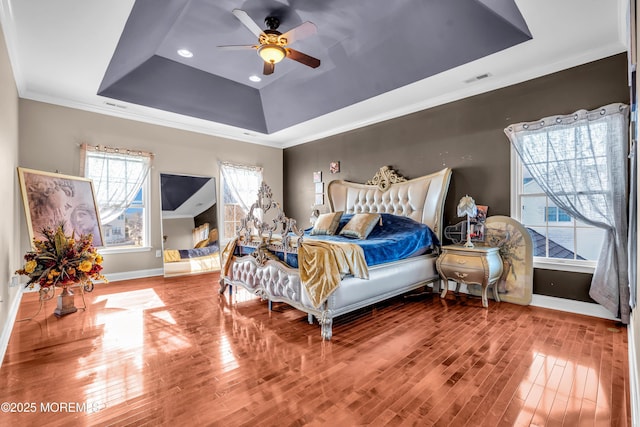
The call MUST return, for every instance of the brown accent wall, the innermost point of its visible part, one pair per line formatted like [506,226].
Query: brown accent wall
[209,216]
[465,135]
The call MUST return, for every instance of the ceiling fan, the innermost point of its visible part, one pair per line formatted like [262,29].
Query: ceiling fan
[273,45]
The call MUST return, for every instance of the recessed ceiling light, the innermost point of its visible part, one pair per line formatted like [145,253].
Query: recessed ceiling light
[185,53]
[255,78]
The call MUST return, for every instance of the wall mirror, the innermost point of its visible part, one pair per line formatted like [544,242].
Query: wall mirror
[189,224]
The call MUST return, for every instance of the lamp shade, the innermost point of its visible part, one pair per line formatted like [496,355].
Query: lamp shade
[272,53]
[467,206]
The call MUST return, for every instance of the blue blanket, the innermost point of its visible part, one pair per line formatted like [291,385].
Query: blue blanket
[397,238]
[198,252]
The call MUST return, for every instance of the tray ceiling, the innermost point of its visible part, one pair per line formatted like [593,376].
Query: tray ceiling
[366,49]
[379,59]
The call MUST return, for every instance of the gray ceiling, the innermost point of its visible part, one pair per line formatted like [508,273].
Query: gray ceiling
[366,48]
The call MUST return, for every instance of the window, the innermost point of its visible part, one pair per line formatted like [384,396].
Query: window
[121,184]
[580,162]
[555,214]
[559,241]
[240,186]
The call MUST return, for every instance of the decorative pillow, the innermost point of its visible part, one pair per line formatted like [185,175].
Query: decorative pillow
[201,244]
[326,224]
[360,225]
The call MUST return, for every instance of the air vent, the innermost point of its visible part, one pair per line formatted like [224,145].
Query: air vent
[478,77]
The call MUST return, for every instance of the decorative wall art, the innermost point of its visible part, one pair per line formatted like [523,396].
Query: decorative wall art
[319,187]
[52,199]
[516,250]
[334,167]
[317,176]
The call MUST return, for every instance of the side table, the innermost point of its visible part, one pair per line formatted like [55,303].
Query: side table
[480,265]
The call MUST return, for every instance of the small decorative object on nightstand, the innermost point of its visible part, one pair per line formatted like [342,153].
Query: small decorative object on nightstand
[479,265]
[467,206]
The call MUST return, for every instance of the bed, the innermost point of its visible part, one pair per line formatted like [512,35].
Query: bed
[272,259]
[204,257]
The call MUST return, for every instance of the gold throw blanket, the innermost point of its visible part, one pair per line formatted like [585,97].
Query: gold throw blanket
[226,256]
[171,255]
[323,264]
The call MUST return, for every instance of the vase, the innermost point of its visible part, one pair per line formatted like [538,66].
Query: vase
[65,303]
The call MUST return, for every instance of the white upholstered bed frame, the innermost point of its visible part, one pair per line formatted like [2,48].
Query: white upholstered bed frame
[421,199]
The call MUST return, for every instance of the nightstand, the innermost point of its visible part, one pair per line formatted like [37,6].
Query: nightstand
[480,265]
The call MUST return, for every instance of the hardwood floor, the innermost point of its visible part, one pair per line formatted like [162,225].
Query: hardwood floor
[164,351]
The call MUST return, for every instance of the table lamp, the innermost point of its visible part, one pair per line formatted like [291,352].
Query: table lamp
[467,206]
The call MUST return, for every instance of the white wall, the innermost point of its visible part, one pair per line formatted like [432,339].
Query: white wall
[178,232]
[50,136]
[634,321]
[10,255]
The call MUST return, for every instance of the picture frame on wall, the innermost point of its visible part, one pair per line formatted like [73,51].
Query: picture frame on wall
[334,167]
[53,199]
[319,200]
[317,176]
[319,187]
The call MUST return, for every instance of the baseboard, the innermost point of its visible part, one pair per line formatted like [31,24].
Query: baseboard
[137,274]
[572,306]
[563,304]
[8,327]
[634,373]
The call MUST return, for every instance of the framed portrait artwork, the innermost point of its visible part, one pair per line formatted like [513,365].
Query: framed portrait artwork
[334,167]
[317,176]
[53,199]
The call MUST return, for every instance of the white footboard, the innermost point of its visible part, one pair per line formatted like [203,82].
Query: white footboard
[275,281]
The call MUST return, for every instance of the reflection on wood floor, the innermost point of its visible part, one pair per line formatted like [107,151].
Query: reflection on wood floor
[159,351]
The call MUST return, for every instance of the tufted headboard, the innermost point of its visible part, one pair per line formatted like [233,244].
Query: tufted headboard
[421,199]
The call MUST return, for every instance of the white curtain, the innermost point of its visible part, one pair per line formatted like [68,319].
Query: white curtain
[241,184]
[580,162]
[117,174]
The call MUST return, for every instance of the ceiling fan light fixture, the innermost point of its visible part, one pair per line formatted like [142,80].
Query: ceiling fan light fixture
[272,53]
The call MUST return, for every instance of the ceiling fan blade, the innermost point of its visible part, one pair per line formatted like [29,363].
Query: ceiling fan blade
[247,21]
[303,58]
[238,47]
[268,68]
[300,32]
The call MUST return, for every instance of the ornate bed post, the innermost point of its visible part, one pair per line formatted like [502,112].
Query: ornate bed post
[326,323]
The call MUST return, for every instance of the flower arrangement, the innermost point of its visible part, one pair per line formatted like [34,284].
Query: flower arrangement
[61,260]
